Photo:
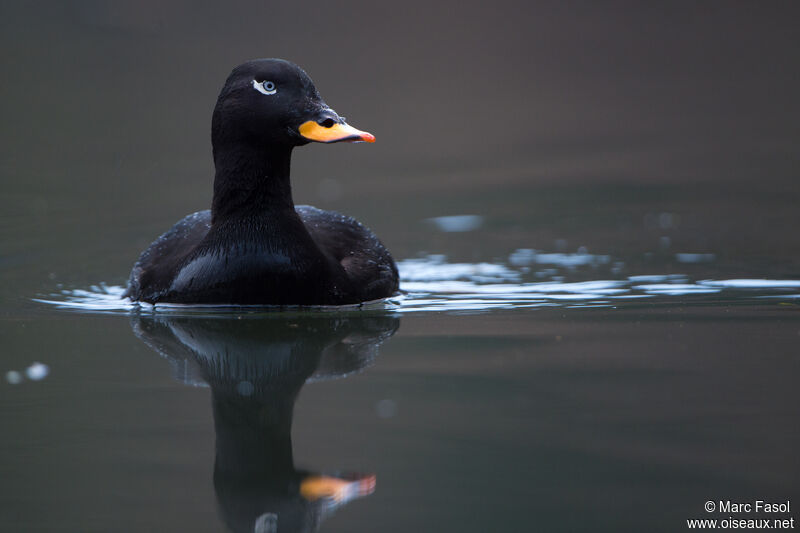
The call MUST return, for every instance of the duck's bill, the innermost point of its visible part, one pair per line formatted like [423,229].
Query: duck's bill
[336,133]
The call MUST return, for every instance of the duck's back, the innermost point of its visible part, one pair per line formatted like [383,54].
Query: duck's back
[367,262]
[335,260]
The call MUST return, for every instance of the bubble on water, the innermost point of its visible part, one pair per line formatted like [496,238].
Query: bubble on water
[457,223]
[386,408]
[37,371]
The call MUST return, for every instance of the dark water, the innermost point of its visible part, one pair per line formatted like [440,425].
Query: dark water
[596,212]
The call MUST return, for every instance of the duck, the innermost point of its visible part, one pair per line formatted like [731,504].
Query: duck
[255,246]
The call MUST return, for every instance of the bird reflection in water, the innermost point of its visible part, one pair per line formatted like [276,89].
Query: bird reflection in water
[256,367]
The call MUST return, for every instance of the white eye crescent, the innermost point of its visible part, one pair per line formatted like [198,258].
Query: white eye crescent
[265,87]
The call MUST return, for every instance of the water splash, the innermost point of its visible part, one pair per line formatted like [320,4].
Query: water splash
[432,284]
[98,298]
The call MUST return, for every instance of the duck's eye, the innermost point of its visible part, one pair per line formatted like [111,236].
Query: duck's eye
[265,87]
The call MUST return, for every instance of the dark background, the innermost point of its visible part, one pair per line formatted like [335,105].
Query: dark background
[637,130]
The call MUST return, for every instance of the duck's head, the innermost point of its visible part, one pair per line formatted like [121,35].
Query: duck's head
[272,102]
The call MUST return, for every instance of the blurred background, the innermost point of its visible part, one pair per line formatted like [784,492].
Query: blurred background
[638,138]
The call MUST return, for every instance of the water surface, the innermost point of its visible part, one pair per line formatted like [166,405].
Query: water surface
[595,213]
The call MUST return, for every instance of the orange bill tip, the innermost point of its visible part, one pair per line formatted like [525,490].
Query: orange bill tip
[336,133]
[340,490]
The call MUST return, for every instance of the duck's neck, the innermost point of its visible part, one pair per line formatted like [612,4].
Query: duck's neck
[254,437]
[250,181]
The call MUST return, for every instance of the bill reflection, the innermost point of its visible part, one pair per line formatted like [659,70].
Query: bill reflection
[255,368]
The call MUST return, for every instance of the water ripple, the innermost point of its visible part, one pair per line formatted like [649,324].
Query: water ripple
[432,284]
